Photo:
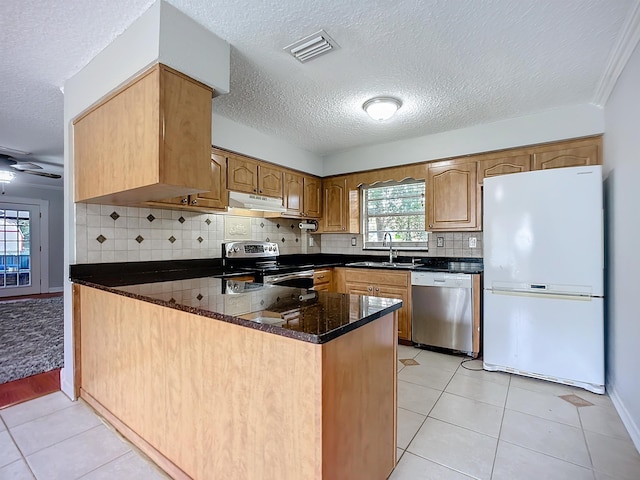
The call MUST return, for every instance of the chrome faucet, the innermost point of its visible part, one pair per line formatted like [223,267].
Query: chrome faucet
[384,241]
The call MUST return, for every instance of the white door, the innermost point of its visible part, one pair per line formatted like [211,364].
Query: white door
[19,249]
[546,335]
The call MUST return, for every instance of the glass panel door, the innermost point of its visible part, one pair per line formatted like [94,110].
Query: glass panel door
[19,249]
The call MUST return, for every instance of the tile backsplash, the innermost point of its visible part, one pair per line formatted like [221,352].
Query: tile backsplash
[106,233]
[455,244]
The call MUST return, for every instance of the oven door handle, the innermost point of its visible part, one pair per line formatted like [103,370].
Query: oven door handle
[273,279]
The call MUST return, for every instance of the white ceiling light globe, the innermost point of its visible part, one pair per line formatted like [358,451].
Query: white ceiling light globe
[382,108]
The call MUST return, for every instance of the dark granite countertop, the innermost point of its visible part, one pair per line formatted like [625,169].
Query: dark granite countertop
[315,317]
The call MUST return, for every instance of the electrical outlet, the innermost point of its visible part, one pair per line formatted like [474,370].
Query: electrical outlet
[473,242]
[440,242]
[354,241]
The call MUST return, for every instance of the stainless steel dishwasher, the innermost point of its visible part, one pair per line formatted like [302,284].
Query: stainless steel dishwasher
[442,310]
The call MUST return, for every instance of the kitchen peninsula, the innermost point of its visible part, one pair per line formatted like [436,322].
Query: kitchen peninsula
[218,378]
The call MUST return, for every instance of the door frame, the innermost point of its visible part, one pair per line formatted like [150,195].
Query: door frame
[43,205]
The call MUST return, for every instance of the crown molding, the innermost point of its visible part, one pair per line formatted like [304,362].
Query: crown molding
[626,44]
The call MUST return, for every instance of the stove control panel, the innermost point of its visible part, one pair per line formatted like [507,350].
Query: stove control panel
[250,250]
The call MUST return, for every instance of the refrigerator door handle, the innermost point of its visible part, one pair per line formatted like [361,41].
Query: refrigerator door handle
[558,296]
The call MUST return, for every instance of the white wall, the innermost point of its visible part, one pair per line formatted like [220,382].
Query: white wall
[55,198]
[242,139]
[149,39]
[553,125]
[622,197]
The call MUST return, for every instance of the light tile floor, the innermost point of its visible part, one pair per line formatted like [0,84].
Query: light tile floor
[455,423]
[53,438]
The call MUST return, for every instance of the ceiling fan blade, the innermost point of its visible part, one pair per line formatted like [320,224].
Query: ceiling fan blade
[23,166]
[42,174]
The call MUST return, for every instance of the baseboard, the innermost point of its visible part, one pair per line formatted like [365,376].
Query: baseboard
[56,289]
[65,386]
[625,416]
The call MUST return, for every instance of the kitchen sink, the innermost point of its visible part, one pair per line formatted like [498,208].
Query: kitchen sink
[381,264]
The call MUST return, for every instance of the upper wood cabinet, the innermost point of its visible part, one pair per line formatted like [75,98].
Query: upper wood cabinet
[452,197]
[252,176]
[341,207]
[577,153]
[502,164]
[312,199]
[217,196]
[149,140]
[302,195]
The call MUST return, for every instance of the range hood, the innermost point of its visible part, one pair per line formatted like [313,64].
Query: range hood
[259,203]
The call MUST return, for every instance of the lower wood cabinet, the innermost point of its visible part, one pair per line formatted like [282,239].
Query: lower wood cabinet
[379,283]
[323,280]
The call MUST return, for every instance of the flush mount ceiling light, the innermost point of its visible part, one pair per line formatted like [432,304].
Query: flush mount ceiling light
[382,108]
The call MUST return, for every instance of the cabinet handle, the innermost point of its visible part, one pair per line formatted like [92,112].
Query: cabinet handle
[344,228]
[255,189]
[377,289]
[194,201]
[320,276]
[260,191]
[184,200]
[431,225]
[370,289]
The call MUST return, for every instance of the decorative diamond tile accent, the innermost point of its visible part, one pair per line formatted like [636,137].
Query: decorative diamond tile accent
[576,401]
[199,297]
[261,225]
[283,240]
[101,238]
[200,239]
[409,361]
[139,239]
[114,215]
[292,226]
[277,225]
[267,239]
[261,302]
[172,300]
[172,239]
[181,220]
[151,218]
[297,239]
[207,221]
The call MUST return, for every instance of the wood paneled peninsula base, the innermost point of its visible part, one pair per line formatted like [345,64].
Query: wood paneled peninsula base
[263,384]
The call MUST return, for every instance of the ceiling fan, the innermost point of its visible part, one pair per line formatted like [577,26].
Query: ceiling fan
[8,163]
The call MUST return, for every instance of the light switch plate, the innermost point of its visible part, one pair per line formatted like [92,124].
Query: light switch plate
[473,242]
[354,241]
[440,242]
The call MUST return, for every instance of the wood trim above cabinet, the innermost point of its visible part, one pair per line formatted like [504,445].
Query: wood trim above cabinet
[503,163]
[576,153]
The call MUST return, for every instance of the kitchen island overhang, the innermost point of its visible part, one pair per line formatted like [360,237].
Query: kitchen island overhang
[184,373]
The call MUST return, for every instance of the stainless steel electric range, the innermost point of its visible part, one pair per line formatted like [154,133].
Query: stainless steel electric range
[262,259]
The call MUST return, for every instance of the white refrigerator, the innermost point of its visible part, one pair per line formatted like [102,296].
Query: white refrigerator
[543,275]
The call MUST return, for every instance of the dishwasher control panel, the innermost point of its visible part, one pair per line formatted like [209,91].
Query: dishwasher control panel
[441,279]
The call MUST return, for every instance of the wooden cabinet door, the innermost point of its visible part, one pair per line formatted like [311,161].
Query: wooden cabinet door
[242,174]
[577,154]
[335,205]
[217,196]
[312,202]
[269,180]
[452,201]
[502,164]
[387,291]
[359,289]
[293,193]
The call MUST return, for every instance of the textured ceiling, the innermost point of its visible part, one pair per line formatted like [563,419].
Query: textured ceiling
[453,63]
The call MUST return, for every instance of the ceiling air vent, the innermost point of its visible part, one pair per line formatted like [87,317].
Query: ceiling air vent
[312,46]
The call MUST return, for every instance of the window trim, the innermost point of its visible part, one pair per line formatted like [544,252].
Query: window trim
[404,246]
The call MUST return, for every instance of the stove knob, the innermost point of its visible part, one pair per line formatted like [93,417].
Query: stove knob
[236,249]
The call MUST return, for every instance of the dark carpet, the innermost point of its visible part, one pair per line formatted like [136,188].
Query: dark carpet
[31,337]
